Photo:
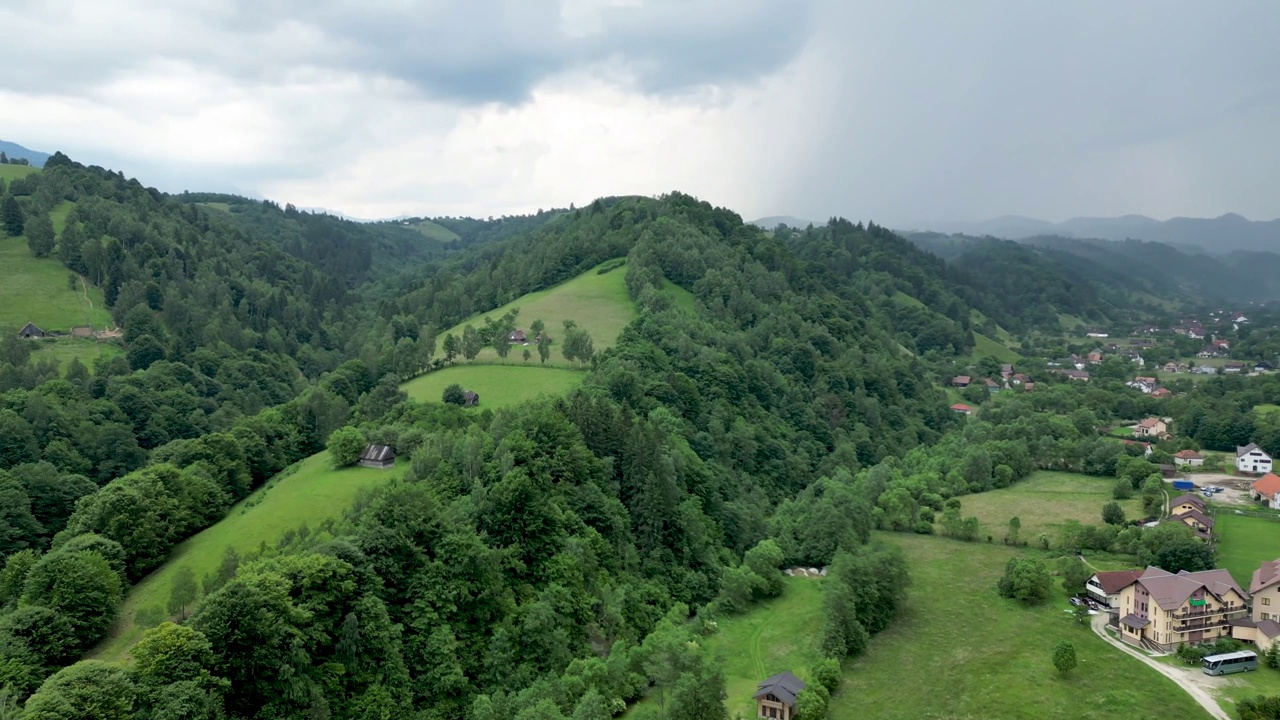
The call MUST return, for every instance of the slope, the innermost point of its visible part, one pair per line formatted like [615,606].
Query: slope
[497,385]
[38,290]
[12,172]
[309,493]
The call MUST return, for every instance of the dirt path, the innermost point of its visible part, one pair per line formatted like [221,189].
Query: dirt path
[1198,685]
[84,292]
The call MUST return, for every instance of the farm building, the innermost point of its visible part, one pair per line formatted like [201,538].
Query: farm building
[1267,490]
[1251,459]
[517,336]
[1188,458]
[776,696]
[31,331]
[377,456]
[470,397]
[962,408]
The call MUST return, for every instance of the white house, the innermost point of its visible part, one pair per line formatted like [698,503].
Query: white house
[1251,459]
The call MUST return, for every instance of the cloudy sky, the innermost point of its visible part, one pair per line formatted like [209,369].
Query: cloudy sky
[901,112]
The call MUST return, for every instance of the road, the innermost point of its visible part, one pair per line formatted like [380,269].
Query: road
[1197,684]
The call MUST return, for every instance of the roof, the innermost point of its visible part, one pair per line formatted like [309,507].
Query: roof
[1171,591]
[29,326]
[378,453]
[1187,498]
[1114,582]
[1200,517]
[1267,485]
[1242,451]
[1270,628]
[784,686]
[1264,576]
[1188,455]
[961,407]
[1135,622]
[1150,423]
[960,380]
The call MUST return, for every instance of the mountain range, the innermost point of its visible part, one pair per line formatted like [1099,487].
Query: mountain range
[14,150]
[1222,234]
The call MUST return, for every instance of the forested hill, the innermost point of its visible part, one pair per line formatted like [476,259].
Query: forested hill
[1098,279]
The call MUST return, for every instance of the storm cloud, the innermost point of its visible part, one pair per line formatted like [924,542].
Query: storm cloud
[901,112]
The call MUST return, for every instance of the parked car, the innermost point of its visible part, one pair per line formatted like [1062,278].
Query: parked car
[1077,601]
[1217,489]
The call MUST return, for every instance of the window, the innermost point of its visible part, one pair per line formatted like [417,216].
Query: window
[1266,601]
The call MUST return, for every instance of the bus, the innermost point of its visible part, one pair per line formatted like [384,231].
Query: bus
[1228,663]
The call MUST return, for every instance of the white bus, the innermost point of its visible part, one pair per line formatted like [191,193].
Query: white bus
[1228,663]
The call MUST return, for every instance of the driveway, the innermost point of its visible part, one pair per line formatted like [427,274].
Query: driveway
[1198,685]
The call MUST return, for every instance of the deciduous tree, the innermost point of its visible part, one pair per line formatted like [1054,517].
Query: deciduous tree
[1064,657]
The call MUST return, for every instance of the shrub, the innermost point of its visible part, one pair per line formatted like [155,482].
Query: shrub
[1064,657]
[827,673]
[453,395]
[1026,580]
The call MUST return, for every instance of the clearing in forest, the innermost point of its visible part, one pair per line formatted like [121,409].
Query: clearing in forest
[498,385]
[37,290]
[311,493]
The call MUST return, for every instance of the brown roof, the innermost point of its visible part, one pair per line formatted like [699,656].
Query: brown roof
[1267,485]
[1203,519]
[1188,455]
[1114,582]
[1187,498]
[1171,591]
[1134,621]
[960,380]
[1270,628]
[961,407]
[1264,576]
[1150,423]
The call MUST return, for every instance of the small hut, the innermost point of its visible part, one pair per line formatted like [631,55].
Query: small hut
[776,696]
[377,456]
[470,398]
[31,331]
[517,336]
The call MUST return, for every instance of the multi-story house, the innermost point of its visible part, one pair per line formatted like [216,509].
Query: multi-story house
[1252,459]
[1160,610]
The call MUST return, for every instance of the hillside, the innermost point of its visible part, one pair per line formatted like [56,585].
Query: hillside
[14,150]
[498,385]
[12,172]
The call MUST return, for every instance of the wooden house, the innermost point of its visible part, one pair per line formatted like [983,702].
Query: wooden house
[31,331]
[470,398]
[377,456]
[776,696]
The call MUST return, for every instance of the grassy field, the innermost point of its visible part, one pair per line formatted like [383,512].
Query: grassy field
[1266,409]
[1245,542]
[435,231]
[1069,322]
[1043,502]
[961,652]
[498,385]
[66,348]
[986,347]
[36,290]
[1122,432]
[598,303]
[313,493]
[13,172]
[681,298]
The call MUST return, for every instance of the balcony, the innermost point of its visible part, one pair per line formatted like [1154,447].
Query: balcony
[1208,612]
[1187,626]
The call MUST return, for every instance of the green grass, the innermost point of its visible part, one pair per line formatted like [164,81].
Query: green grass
[961,652]
[681,298]
[1266,409]
[13,172]
[984,346]
[224,207]
[435,231]
[780,634]
[312,494]
[36,290]
[1069,322]
[1122,432]
[1043,502]
[906,299]
[498,385]
[63,349]
[1245,542]
[597,303]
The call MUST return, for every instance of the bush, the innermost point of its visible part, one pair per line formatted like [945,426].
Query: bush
[1123,489]
[1259,707]
[926,515]
[1064,657]
[1026,580]
[811,703]
[345,446]
[923,527]
[453,395]
[827,673]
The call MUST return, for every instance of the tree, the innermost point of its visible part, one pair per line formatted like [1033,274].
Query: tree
[1064,657]
[1026,580]
[450,347]
[89,690]
[183,592]
[1074,575]
[544,347]
[472,343]
[345,446]
[81,586]
[454,395]
[577,344]
[12,219]
[1112,513]
[812,703]
[525,354]
[1153,497]
[40,235]
[170,653]
[1011,535]
[1123,489]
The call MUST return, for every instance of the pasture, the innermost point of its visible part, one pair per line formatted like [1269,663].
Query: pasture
[1245,542]
[13,172]
[984,346]
[498,385]
[435,231]
[960,651]
[37,290]
[63,349]
[311,492]
[1043,502]
[597,303]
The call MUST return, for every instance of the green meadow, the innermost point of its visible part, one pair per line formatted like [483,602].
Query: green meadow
[498,385]
[38,291]
[1043,502]
[1245,542]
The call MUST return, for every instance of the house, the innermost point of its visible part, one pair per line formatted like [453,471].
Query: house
[1006,370]
[1185,503]
[1221,345]
[1160,610]
[1262,627]
[1096,334]
[1079,375]
[1105,587]
[1267,489]
[1206,370]
[1161,392]
[1146,446]
[961,381]
[1171,367]
[377,456]
[1019,378]
[1232,367]
[1262,367]
[1188,458]
[1095,357]
[1196,520]
[1209,351]
[470,398]
[31,331]
[517,336]
[962,409]
[992,385]
[1150,427]
[776,696]
[1251,459]
[1029,386]
[1240,319]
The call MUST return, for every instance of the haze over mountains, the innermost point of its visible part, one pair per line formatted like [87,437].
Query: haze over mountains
[14,150]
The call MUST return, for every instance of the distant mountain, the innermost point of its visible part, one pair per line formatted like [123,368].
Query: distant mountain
[14,150]
[773,221]
[1218,235]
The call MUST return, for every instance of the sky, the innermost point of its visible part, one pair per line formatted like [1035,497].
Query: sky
[902,113]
